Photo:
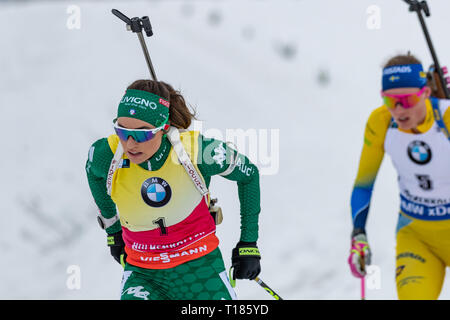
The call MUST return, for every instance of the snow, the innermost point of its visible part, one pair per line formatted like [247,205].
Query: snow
[307,70]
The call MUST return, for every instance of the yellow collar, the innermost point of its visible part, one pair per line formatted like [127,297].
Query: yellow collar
[427,123]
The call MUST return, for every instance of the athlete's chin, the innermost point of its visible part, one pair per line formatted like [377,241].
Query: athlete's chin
[406,124]
[406,127]
[137,158]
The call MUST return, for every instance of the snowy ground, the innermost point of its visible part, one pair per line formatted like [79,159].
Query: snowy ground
[310,69]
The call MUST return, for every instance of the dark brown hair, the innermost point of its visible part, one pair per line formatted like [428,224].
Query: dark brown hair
[179,114]
[402,59]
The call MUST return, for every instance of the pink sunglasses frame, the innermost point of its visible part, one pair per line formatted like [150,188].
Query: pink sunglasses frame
[403,98]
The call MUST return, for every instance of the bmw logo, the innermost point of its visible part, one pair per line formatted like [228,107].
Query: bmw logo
[156,192]
[419,152]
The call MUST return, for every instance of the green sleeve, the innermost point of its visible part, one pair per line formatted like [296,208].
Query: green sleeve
[214,158]
[97,167]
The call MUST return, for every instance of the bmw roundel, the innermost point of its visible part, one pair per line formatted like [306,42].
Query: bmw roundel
[419,152]
[156,192]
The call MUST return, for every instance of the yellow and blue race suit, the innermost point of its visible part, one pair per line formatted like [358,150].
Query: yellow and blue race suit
[422,161]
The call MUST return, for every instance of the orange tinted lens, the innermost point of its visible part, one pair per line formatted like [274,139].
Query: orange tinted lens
[390,102]
[412,100]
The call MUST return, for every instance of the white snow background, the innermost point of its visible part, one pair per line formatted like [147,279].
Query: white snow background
[310,69]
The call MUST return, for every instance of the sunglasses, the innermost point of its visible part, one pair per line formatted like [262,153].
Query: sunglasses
[139,135]
[405,100]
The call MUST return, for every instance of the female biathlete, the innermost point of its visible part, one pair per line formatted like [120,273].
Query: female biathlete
[412,128]
[150,182]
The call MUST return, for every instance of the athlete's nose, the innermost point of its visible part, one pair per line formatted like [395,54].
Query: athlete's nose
[398,109]
[131,142]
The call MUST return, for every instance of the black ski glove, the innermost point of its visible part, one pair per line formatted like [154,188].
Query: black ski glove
[117,247]
[245,261]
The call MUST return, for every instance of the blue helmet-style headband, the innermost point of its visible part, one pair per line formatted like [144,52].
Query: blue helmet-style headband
[404,76]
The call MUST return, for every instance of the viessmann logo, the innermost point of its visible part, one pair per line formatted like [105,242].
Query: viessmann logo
[167,257]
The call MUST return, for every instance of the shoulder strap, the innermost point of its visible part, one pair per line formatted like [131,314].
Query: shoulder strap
[115,163]
[174,137]
[438,116]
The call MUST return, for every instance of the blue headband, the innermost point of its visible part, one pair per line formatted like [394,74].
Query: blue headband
[404,76]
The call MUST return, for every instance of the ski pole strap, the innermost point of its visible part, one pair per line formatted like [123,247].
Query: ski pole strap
[438,117]
[268,289]
[230,277]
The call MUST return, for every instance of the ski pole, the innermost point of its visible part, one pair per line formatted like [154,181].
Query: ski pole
[363,279]
[136,25]
[267,288]
[363,288]
[418,7]
[258,281]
